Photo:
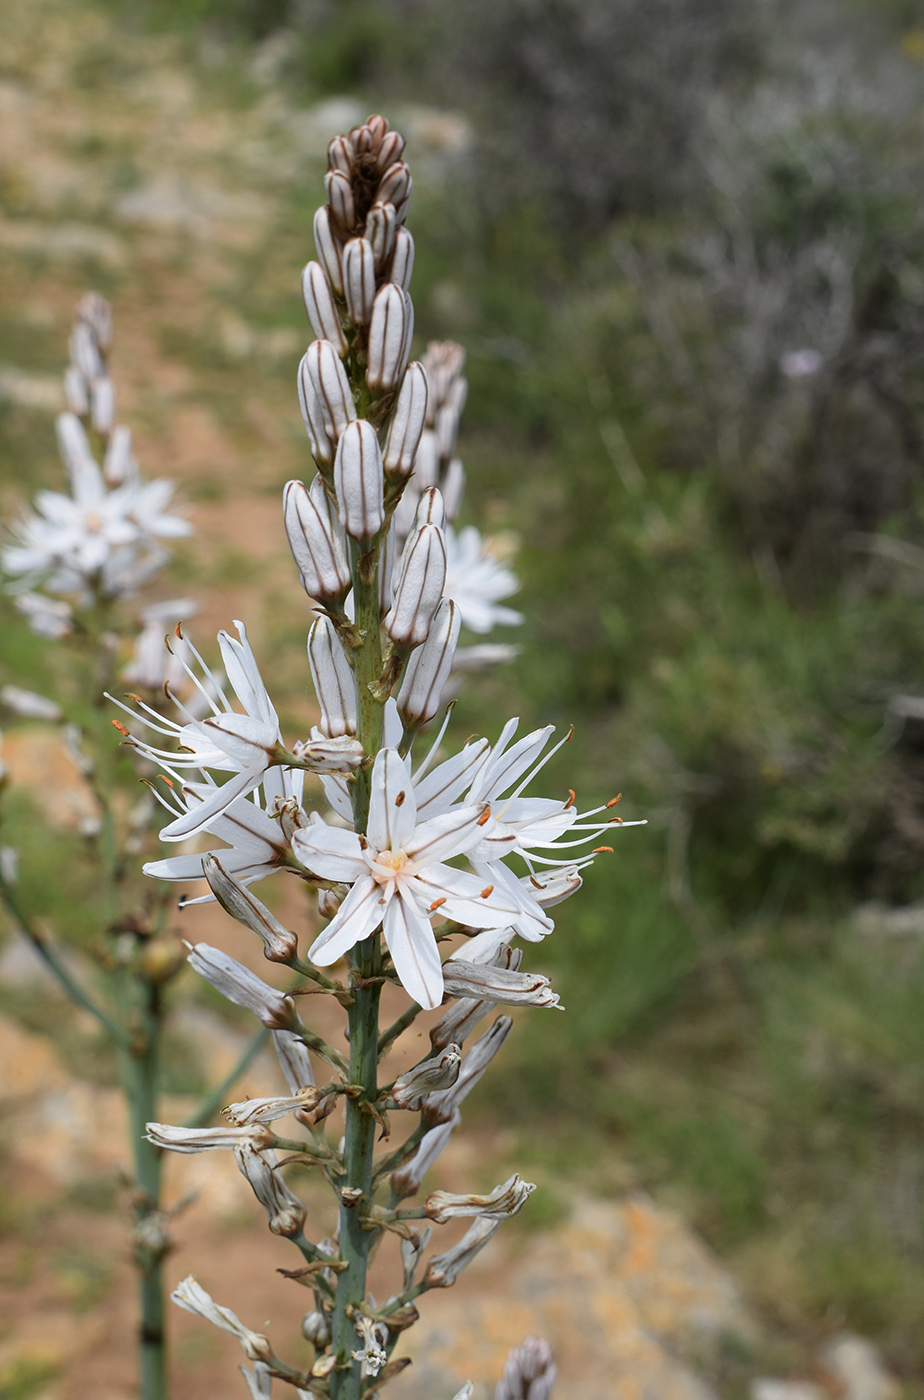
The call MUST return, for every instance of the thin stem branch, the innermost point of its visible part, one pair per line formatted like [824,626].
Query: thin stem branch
[407,1018]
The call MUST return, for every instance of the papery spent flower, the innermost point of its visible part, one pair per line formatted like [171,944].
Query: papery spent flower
[440,1072]
[399,878]
[176,1139]
[374,1338]
[441,1106]
[406,1180]
[279,943]
[243,987]
[444,1269]
[503,1201]
[192,1296]
[259,1381]
[268,1110]
[285,1212]
[462,978]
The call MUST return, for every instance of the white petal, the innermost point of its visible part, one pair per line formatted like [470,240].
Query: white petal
[392,805]
[450,834]
[461,896]
[330,852]
[446,784]
[415,951]
[199,818]
[359,915]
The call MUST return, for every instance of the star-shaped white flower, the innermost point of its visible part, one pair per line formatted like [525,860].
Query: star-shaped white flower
[400,880]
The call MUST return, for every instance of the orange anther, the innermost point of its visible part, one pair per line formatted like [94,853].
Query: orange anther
[117,724]
[484,818]
[488,890]
[399,800]
[597,849]
[436,904]
[613,800]
[571,799]
[534,882]
[136,698]
[164,779]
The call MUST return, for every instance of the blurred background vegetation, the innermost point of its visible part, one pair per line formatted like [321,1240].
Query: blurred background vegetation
[684,247]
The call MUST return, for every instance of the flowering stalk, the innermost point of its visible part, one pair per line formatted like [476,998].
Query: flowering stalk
[371,538]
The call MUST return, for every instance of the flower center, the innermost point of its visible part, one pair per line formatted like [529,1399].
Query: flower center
[388,864]
[93,521]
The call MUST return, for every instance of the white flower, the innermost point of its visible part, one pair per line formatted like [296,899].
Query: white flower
[476,582]
[399,878]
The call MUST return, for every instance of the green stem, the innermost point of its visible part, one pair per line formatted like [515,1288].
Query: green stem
[141,1066]
[365,963]
[407,1018]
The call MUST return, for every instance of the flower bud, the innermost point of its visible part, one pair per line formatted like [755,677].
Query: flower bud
[390,332]
[328,248]
[362,139]
[503,1201]
[387,562]
[102,405]
[316,1329]
[84,352]
[402,263]
[72,444]
[359,280]
[279,943]
[322,755]
[358,481]
[316,540]
[447,430]
[430,509]
[439,1073]
[377,127]
[192,1296]
[340,156]
[429,666]
[419,589]
[390,151]
[440,1107]
[529,1372]
[381,226]
[406,423]
[76,395]
[333,679]
[325,399]
[340,198]
[396,185]
[444,1269]
[320,307]
[553,886]
[118,461]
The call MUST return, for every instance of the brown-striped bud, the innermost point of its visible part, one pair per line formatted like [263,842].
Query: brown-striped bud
[390,332]
[328,246]
[320,306]
[407,423]
[359,280]
[359,481]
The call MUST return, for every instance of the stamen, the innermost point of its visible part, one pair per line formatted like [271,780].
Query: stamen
[613,800]
[437,903]
[488,890]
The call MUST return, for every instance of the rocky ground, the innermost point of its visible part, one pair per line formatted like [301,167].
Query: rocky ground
[132,164]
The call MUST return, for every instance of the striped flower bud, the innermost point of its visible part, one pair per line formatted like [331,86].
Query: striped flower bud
[441,1072]
[340,198]
[447,429]
[429,666]
[387,561]
[321,754]
[390,151]
[325,393]
[406,423]
[390,332]
[333,680]
[381,225]
[340,156]
[503,1201]
[430,509]
[419,589]
[402,263]
[84,352]
[359,280]
[321,310]
[396,184]
[279,943]
[328,248]
[285,1212]
[316,540]
[530,1372]
[176,1139]
[359,481]
[444,1269]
